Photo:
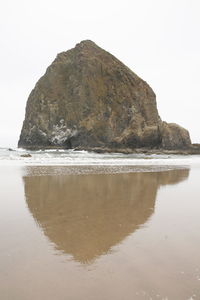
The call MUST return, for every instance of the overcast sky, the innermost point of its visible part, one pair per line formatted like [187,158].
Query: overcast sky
[158,39]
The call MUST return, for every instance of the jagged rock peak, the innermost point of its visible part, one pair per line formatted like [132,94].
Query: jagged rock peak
[87,43]
[88,98]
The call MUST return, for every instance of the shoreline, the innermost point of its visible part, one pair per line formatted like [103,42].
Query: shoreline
[77,158]
[193,150]
[62,170]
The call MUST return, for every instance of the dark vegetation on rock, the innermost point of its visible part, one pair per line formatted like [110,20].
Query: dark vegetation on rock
[88,99]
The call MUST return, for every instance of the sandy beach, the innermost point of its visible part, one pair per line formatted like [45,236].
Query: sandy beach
[99,235]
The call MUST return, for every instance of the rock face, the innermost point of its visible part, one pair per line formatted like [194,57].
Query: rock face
[89,99]
[174,135]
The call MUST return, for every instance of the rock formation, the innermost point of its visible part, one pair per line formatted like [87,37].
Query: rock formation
[88,99]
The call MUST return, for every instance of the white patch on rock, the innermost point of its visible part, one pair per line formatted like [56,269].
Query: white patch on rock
[42,132]
[32,128]
[61,133]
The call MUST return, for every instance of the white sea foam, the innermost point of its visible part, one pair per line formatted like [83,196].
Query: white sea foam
[84,158]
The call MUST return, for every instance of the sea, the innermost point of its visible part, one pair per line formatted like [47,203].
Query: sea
[71,157]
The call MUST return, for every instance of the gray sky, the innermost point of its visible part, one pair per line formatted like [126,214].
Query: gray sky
[158,39]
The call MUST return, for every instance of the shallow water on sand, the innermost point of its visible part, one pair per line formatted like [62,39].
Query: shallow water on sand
[77,235]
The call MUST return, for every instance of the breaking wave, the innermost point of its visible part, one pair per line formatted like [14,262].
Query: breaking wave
[71,157]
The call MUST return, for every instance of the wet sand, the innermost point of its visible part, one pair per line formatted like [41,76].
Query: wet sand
[70,233]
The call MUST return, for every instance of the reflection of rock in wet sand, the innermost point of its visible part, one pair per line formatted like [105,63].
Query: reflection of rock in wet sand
[86,215]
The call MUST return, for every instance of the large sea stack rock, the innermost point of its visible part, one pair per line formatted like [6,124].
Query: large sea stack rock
[88,99]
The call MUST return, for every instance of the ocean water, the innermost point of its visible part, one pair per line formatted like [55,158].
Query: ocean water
[85,158]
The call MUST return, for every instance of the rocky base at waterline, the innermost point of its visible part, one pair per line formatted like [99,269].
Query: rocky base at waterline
[88,100]
[193,149]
